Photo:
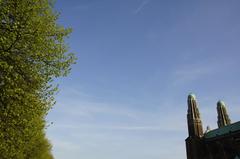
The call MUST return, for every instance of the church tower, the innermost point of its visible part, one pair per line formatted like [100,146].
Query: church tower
[194,143]
[220,143]
[223,118]
[193,116]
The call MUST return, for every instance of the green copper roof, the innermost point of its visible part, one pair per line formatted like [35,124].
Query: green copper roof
[223,131]
[220,102]
[191,95]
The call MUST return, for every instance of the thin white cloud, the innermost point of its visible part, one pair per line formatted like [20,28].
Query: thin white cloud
[124,116]
[111,144]
[193,73]
[91,109]
[87,122]
[200,70]
[125,119]
[162,128]
[141,6]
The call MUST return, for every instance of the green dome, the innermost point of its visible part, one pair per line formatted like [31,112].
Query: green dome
[220,103]
[192,96]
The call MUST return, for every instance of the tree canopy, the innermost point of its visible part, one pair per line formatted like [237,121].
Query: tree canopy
[33,53]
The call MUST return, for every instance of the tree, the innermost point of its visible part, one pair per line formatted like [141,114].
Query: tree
[41,150]
[32,54]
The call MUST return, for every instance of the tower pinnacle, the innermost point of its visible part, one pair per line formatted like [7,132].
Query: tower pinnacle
[193,117]
[223,118]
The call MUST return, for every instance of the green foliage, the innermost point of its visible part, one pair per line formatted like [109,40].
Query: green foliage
[40,150]
[32,54]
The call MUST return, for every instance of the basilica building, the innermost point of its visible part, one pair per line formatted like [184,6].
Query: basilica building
[220,143]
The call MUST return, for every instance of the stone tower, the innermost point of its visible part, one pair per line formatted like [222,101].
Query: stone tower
[195,129]
[220,143]
[193,116]
[223,118]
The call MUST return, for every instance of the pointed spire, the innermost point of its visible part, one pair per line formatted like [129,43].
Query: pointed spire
[193,117]
[207,129]
[223,118]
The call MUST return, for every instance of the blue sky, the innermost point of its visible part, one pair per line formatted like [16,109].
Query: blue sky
[137,61]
